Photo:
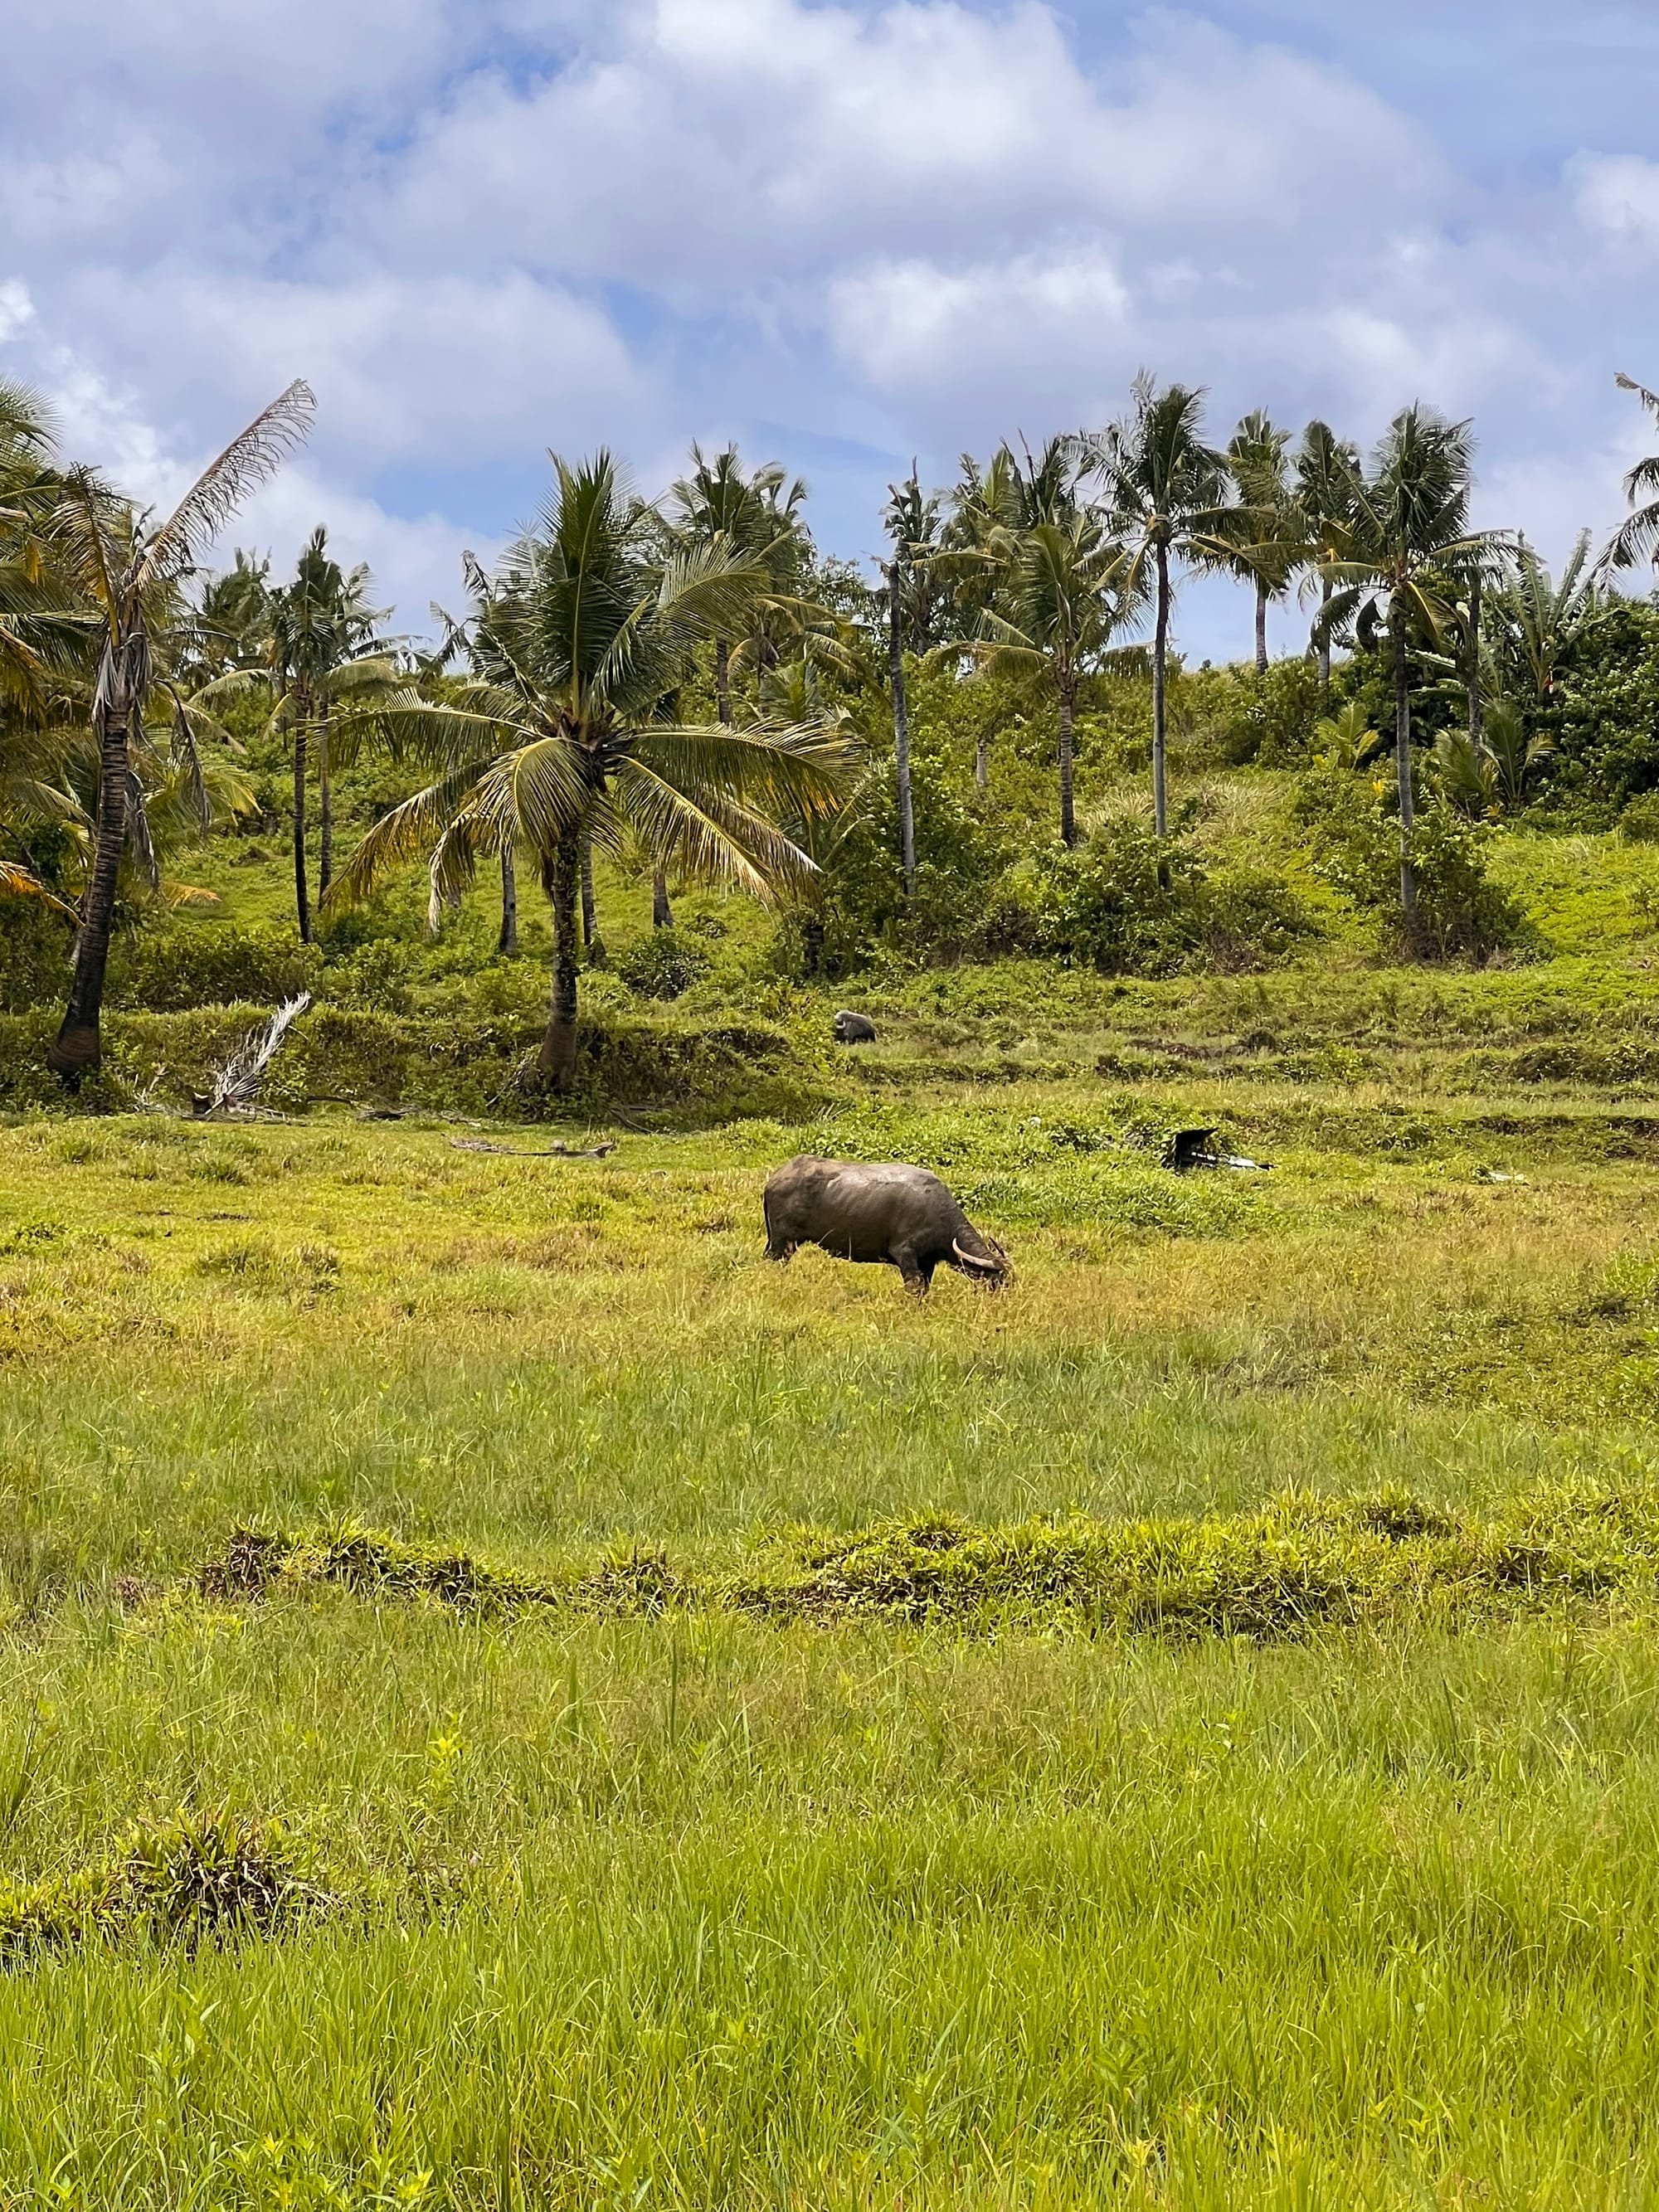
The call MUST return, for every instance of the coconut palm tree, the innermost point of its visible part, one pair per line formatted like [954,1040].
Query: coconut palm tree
[324,649]
[1409,534]
[1327,468]
[912,524]
[1272,544]
[1168,497]
[1636,541]
[1068,589]
[130,572]
[579,643]
[1539,620]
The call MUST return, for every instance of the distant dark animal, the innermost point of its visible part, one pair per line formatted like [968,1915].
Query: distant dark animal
[1195,1148]
[902,1216]
[854,1028]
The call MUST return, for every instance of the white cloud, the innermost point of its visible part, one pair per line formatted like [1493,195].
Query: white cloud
[1618,195]
[485,226]
[906,323]
[16,307]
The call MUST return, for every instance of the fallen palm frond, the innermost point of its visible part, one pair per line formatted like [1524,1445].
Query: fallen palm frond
[237,1084]
[534,1152]
[1301,1563]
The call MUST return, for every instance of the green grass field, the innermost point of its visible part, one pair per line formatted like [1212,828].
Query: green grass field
[699,1907]
[1181,1732]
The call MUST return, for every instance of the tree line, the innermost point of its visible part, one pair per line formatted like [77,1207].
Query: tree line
[671,681]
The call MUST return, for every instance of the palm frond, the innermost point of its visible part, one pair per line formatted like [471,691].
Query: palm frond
[251,457]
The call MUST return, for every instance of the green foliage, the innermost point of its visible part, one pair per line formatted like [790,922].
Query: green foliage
[1268,717]
[1639,823]
[202,1877]
[165,970]
[663,965]
[1131,903]
[35,944]
[1355,835]
[1603,721]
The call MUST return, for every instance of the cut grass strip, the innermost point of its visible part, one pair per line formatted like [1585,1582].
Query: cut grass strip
[1303,1564]
[198,1878]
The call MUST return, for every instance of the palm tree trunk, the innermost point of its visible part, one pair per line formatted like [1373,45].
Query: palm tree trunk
[1260,626]
[1476,702]
[324,808]
[1160,654]
[557,1061]
[591,942]
[662,914]
[1324,642]
[507,942]
[1402,750]
[78,1046]
[901,731]
[723,681]
[301,890]
[1067,715]
[811,944]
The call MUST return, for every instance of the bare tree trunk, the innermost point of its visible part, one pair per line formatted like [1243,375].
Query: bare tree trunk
[812,944]
[662,914]
[1260,626]
[1324,642]
[723,681]
[901,730]
[982,760]
[1067,715]
[1160,654]
[591,943]
[1477,701]
[507,942]
[302,889]
[78,1046]
[1402,748]
[556,1060]
[324,808]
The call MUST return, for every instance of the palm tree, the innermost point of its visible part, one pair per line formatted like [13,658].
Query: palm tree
[579,642]
[129,572]
[912,525]
[1068,589]
[1326,470]
[1409,533]
[1271,543]
[1636,540]
[1539,621]
[324,649]
[1168,497]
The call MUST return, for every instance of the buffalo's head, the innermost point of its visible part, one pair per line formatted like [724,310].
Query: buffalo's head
[982,1259]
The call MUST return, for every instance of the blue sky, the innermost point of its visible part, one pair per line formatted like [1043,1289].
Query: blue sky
[843,234]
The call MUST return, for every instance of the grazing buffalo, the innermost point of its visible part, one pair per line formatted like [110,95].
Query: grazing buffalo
[901,1215]
[854,1028]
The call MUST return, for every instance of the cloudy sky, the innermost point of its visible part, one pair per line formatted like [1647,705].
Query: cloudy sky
[842,234]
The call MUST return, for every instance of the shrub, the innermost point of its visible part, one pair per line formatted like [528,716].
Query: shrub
[1270,717]
[1355,827]
[34,942]
[1128,902]
[169,968]
[376,977]
[1639,821]
[662,965]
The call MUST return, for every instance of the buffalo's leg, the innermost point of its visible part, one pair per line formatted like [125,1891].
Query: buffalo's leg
[918,1279]
[781,1250]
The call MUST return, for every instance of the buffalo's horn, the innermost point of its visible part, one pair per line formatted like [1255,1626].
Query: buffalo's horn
[972,1260]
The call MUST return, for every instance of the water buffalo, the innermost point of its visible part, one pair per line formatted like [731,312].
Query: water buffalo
[854,1028]
[902,1215]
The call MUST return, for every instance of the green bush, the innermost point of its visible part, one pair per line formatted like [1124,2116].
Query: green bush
[1270,717]
[662,965]
[1603,721]
[1354,826]
[1129,903]
[34,942]
[173,966]
[375,976]
[1639,821]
